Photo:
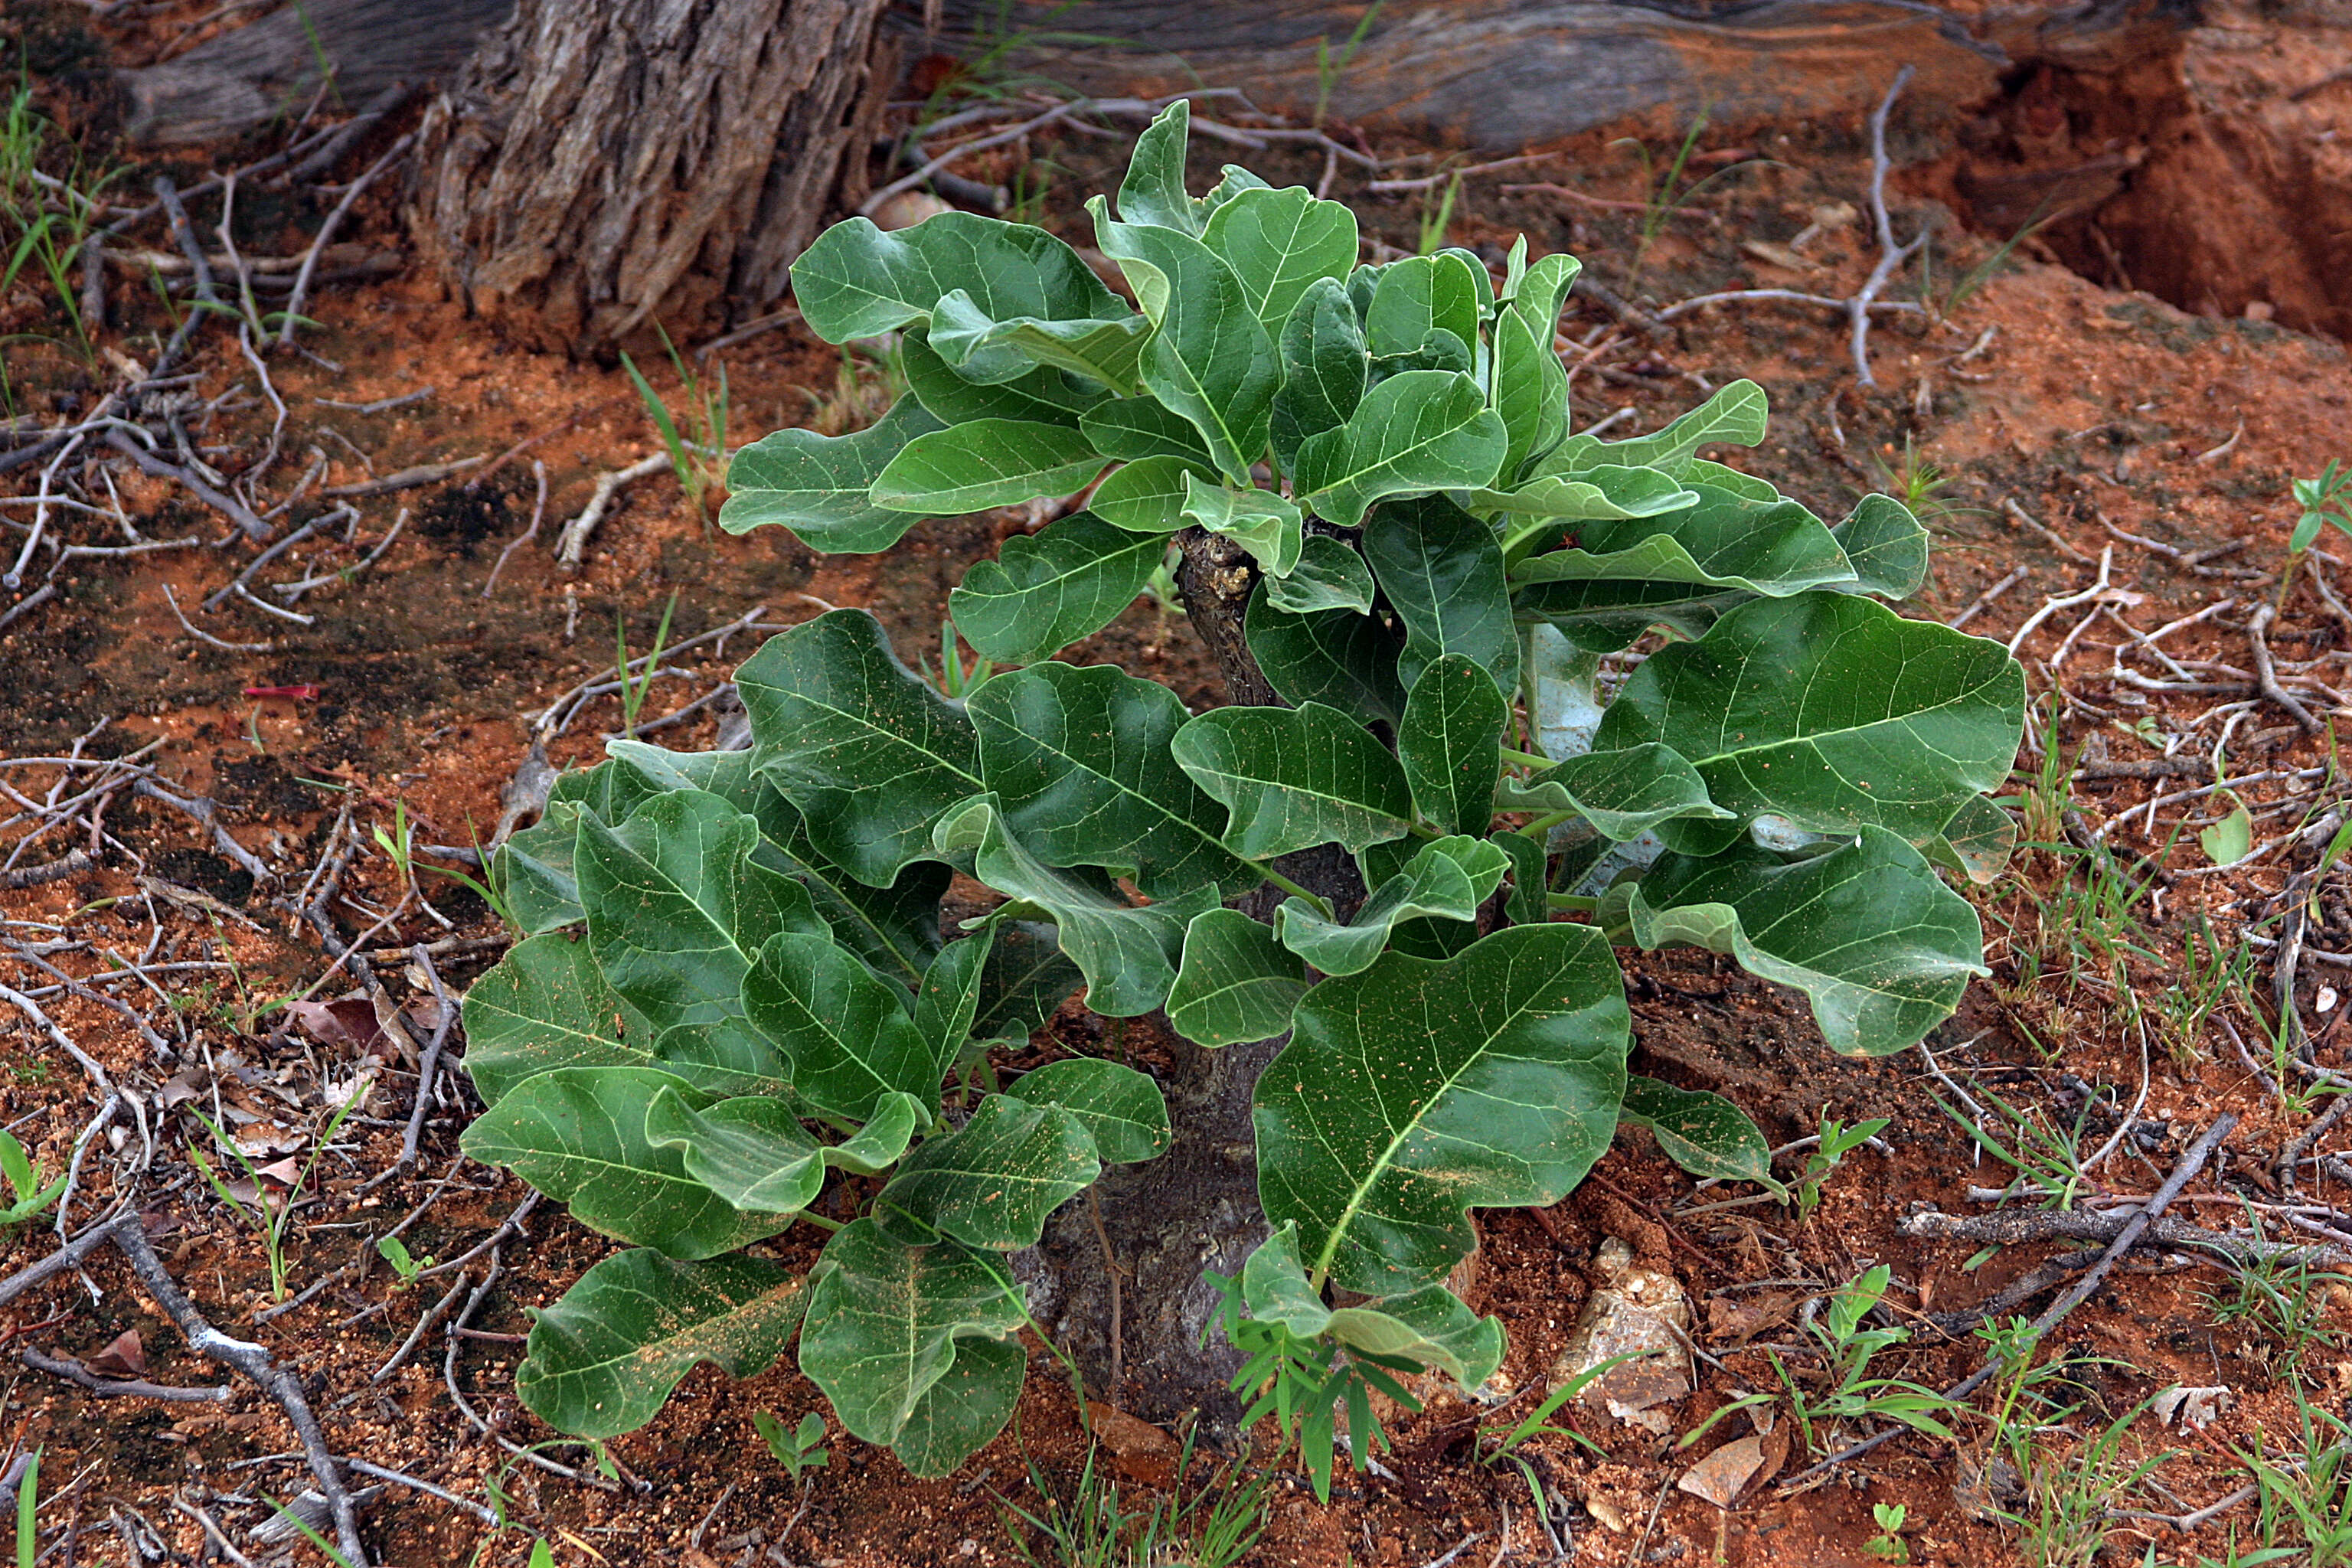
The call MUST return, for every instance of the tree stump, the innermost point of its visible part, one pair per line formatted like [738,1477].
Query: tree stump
[600,170]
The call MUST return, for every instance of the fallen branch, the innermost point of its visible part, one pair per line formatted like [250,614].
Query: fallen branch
[294,302]
[80,1376]
[574,540]
[228,506]
[2266,677]
[1890,255]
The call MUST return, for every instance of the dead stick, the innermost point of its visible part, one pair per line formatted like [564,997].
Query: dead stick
[326,231]
[1890,255]
[80,1376]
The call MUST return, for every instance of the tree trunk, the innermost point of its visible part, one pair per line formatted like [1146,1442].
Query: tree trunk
[599,170]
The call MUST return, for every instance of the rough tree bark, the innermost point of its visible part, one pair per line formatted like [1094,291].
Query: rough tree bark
[598,170]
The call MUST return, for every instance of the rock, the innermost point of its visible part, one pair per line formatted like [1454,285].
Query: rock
[908,208]
[1633,1311]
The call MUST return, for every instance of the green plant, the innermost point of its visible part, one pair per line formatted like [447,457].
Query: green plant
[1329,67]
[1662,195]
[1887,1545]
[1437,216]
[268,1219]
[698,457]
[37,228]
[29,1528]
[799,1450]
[2282,1301]
[765,994]
[633,688]
[1214,1527]
[1985,271]
[2326,502]
[1834,1141]
[32,1198]
[2070,1496]
[1842,1391]
[2306,1488]
[405,1267]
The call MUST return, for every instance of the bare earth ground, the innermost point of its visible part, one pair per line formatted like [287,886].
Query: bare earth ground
[2099,448]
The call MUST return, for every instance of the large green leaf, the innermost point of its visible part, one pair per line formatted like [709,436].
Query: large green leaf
[1139,427]
[1079,759]
[1128,952]
[990,1182]
[1209,359]
[1295,778]
[1703,1133]
[1275,1287]
[1329,575]
[532,870]
[1047,396]
[578,1134]
[1048,590]
[884,1320]
[1154,191]
[948,1005]
[1443,572]
[678,904]
[894,929]
[1622,794]
[1887,546]
[1734,416]
[1279,243]
[1146,496]
[866,751]
[1867,930]
[955,1417]
[984,463]
[1121,1109]
[1265,522]
[1723,540]
[858,281]
[819,485]
[1447,878]
[1452,725]
[844,1031]
[1592,493]
[1415,1091]
[1336,658]
[978,344]
[1420,430]
[1830,711]
[1325,367]
[754,1152]
[604,1357]
[1422,294]
[1237,982]
[1530,384]
[1027,978]
[545,1006]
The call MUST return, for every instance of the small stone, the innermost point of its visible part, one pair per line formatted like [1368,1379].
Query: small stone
[1633,1312]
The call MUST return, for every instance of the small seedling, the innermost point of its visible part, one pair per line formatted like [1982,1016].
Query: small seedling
[24,1181]
[1887,1545]
[268,1219]
[405,1267]
[1331,64]
[1437,217]
[955,679]
[28,1529]
[633,688]
[1836,1141]
[797,1450]
[698,457]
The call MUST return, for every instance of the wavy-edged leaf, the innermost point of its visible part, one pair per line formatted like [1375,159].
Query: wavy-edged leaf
[1976,842]
[1046,396]
[1080,758]
[1121,1109]
[1237,982]
[1623,794]
[678,904]
[1026,978]
[983,463]
[869,754]
[754,1152]
[604,1357]
[1378,1132]
[1869,932]
[1703,1133]
[884,1320]
[956,1416]
[1441,350]
[1831,711]
[544,1007]
[1295,778]
[1419,430]
[1530,384]
[1723,540]
[1276,1289]
[1048,590]
[1128,952]
[532,870]
[1431,1326]
[1208,358]
[819,486]
[1146,496]
[1529,864]
[844,1031]
[1443,572]
[1887,546]
[1336,658]
[1265,522]
[1734,416]
[1329,575]
[1134,428]
[894,929]
[1447,744]
[1447,880]
[981,346]
[858,281]
[1154,191]
[1422,294]
[1279,243]
[578,1134]
[948,1005]
[990,1182]
[1325,368]
[1598,493]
